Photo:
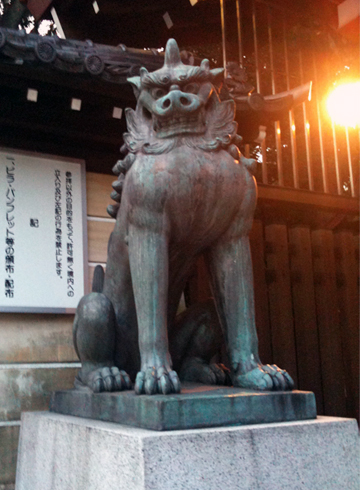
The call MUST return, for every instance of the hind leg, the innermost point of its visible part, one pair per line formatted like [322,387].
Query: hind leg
[94,340]
[195,336]
[197,341]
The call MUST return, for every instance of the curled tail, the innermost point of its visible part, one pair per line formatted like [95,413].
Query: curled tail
[98,279]
[97,287]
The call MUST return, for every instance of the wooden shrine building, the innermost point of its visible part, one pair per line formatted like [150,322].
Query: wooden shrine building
[67,97]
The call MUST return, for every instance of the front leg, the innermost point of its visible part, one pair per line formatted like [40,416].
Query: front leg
[149,264]
[232,283]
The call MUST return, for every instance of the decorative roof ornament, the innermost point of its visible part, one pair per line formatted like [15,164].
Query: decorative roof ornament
[121,65]
[112,64]
[254,110]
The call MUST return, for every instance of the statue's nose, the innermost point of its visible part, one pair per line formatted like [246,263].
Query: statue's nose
[178,101]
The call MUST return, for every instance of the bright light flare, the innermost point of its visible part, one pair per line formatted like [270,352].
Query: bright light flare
[343,104]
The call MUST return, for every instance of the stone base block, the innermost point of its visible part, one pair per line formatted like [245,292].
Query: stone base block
[197,406]
[58,452]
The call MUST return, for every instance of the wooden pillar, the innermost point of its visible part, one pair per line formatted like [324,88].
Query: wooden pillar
[348,295]
[306,332]
[279,287]
[328,322]
[260,290]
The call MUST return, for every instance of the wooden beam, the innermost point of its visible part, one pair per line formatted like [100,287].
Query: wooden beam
[34,337]
[98,238]
[297,196]
[79,82]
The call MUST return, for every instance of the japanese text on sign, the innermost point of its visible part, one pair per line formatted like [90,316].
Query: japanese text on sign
[43,230]
[10,230]
[58,230]
[70,234]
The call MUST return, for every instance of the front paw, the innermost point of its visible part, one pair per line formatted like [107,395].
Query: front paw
[151,381]
[264,377]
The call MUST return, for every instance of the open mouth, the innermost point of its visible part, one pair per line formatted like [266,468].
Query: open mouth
[179,124]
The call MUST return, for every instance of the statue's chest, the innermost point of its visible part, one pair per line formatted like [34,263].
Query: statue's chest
[185,177]
[194,189]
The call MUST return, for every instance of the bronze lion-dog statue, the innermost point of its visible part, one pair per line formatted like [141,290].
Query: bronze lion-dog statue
[185,190]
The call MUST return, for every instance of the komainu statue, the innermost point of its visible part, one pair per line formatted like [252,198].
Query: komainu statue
[183,189]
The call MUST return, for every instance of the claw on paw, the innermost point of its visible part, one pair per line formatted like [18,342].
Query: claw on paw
[265,377]
[109,379]
[157,380]
[195,370]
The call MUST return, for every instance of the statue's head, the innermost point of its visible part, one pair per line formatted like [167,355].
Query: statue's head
[175,102]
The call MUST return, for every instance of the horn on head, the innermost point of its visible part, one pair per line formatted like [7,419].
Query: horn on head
[205,65]
[172,53]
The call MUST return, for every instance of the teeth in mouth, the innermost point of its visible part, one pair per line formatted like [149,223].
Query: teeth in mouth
[178,122]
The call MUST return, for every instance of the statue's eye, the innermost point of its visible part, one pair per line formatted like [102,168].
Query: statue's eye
[157,93]
[191,88]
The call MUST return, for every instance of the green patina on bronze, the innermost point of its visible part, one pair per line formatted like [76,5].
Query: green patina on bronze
[197,406]
[183,190]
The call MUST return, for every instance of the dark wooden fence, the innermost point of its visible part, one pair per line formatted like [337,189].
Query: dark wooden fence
[305,243]
[306,292]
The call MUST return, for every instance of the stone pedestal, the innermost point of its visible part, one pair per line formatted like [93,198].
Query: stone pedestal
[58,452]
[197,406]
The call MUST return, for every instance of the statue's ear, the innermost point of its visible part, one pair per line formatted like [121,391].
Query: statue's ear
[135,82]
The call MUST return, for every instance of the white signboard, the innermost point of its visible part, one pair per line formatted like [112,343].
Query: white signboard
[43,239]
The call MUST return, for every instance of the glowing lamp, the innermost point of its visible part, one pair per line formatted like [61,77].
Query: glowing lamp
[343,104]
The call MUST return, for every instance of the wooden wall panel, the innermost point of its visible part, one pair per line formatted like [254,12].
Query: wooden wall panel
[261,293]
[328,323]
[26,387]
[348,294]
[36,338]
[98,189]
[279,287]
[90,276]
[26,338]
[356,239]
[9,439]
[98,237]
[303,295]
